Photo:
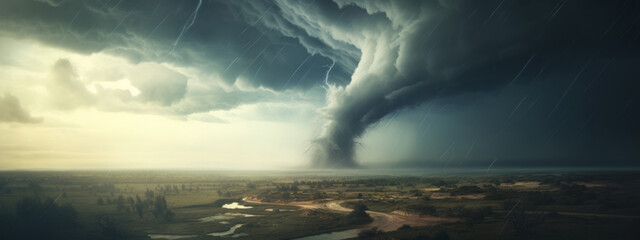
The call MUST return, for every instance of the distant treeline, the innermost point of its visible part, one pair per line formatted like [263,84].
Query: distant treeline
[37,219]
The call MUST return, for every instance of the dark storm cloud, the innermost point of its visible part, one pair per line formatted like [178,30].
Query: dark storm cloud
[377,57]
[593,128]
[12,111]
[223,40]
[427,47]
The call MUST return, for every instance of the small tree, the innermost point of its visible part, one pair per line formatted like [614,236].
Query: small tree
[120,200]
[160,209]
[359,215]
[131,201]
[316,195]
[149,194]
[120,206]
[285,196]
[139,207]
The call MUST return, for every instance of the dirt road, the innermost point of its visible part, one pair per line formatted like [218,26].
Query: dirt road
[383,221]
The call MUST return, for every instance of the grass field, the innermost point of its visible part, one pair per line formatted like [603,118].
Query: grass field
[136,205]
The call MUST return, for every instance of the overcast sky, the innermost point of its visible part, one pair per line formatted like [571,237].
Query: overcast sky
[293,84]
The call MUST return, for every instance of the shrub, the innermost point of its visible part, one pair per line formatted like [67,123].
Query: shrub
[359,215]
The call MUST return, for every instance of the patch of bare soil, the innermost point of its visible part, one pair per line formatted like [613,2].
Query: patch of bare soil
[523,184]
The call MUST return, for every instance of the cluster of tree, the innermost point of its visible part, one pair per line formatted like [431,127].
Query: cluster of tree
[496,181]
[139,205]
[156,203]
[373,182]
[223,194]
[34,218]
[395,181]
[160,210]
[4,186]
[359,215]
[318,195]
[471,215]
[415,193]
[465,190]
[399,182]
[313,184]
[124,205]
[149,194]
[287,187]
[169,189]
[493,193]
[574,194]
[444,183]
[101,188]
[285,196]
[38,219]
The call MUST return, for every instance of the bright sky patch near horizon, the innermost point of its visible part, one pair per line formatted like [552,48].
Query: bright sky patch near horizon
[291,84]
